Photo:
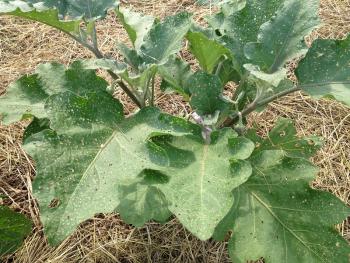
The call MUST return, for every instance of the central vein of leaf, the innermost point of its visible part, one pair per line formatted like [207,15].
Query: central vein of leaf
[202,171]
[284,225]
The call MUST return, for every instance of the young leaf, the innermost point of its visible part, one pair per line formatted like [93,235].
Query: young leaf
[136,25]
[165,38]
[325,71]
[205,91]
[284,137]
[282,38]
[175,73]
[14,227]
[141,81]
[200,194]
[207,51]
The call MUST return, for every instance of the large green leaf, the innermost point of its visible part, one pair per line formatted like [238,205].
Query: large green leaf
[165,38]
[14,227]
[27,96]
[281,219]
[200,193]
[282,38]
[80,167]
[325,71]
[278,216]
[136,25]
[207,51]
[142,200]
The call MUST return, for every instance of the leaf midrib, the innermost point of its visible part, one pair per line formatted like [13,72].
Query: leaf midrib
[282,224]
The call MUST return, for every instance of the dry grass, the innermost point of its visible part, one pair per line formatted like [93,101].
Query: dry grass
[105,238]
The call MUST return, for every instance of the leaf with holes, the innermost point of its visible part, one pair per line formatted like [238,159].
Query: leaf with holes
[165,38]
[200,192]
[282,38]
[27,96]
[277,210]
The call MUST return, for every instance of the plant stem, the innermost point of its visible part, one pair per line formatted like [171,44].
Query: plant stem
[94,49]
[153,87]
[256,104]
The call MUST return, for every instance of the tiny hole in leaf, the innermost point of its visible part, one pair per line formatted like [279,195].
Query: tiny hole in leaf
[218,33]
[54,203]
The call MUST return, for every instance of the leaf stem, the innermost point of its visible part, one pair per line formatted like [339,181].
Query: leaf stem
[153,88]
[94,49]
[256,104]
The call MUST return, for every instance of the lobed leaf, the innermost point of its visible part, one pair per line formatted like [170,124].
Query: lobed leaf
[278,216]
[89,158]
[27,96]
[239,26]
[200,193]
[325,71]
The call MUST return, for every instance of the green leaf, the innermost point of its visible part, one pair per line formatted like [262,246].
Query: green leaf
[165,38]
[325,71]
[131,57]
[67,10]
[200,193]
[14,227]
[227,72]
[37,125]
[40,13]
[80,167]
[242,25]
[276,215]
[207,51]
[206,91]
[136,25]
[27,96]
[141,200]
[140,82]
[284,137]
[175,73]
[281,219]
[282,38]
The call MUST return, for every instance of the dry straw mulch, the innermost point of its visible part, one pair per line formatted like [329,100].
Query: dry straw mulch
[105,238]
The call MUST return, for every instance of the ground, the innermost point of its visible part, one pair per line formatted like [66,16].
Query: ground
[105,238]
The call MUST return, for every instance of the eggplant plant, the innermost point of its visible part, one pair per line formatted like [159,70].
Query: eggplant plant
[216,176]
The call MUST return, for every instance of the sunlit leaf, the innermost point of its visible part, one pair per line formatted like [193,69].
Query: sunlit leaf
[282,38]
[325,71]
